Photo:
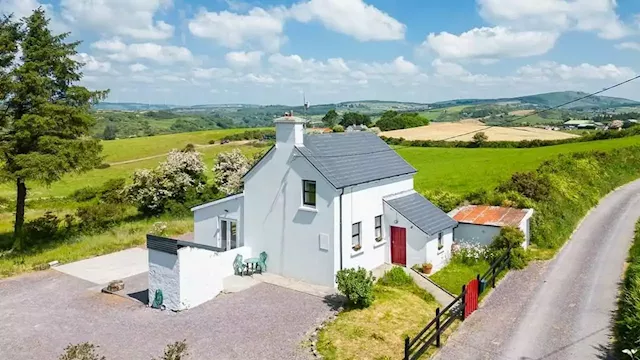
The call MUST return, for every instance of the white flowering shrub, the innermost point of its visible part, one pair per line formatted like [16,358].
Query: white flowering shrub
[171,180]
[229,169]
[468,253]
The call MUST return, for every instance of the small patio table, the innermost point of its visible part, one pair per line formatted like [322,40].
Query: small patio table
[252,263]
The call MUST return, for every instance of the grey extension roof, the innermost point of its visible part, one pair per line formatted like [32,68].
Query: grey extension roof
[347,159]
[422,213]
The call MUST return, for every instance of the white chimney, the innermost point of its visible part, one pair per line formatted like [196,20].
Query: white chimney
[289,130]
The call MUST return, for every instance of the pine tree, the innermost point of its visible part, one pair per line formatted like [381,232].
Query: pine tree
[45,117]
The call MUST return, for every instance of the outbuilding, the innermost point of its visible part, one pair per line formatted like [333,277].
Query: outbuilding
[481,223]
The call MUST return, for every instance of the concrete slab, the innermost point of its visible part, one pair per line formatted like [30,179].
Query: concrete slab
[235,283]
[102,269]
[297,285]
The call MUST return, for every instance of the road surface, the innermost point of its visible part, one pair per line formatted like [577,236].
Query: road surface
[560,309]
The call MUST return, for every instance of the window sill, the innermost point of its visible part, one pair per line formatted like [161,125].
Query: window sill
[308,209]
[355,253]
[377,244]
[440,252]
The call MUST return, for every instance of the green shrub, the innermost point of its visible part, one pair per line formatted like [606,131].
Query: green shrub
[531,185]
[396,277]
[41,230]
[113,191]
[338,129]
[103,166]
[627,323]
[444,200]
[84,351]
[85,194]
[509,238]
[356,285]
[99,216]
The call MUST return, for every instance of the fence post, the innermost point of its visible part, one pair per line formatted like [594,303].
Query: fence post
[493,277]
[437,327]
[479,285]
[406,348]
[462,299]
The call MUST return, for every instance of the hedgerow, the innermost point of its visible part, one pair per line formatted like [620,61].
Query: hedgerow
[627,324]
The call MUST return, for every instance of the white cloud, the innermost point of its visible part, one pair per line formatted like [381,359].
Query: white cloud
[552,70]
[399,66]
[628,46]
[241,59]
[258,28]
[495,42]
[350,17]
[137,67]
[286,64]
[210,73]
[163,54]
[559,15]
[120,17]
[91,64]
[448,69]
[24,8]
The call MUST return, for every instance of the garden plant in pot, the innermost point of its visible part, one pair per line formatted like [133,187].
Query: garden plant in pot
[426,268]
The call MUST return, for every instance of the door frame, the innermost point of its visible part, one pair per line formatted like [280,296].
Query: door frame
[404,256]
[227,244]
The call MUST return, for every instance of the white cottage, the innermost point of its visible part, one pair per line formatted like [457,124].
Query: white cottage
[320,203]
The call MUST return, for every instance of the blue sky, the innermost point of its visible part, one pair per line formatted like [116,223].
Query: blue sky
[233,51]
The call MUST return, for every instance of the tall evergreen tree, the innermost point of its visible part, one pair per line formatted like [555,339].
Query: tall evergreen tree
[46,120]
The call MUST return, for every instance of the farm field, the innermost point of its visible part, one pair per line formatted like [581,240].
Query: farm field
[461,170]
[460,130]
[135,148]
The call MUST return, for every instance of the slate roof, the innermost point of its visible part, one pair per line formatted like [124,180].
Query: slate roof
[421,212]
[489,215]
[347,159]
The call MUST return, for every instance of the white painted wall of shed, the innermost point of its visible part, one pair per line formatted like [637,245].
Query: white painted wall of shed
[479,234]
[206,225]
[200,276]
[276,222]
[164,274]
[362,203]
[440,258]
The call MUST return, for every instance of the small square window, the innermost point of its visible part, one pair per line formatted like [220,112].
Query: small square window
[378,227]
[440,242]
[356,244]
[309,193]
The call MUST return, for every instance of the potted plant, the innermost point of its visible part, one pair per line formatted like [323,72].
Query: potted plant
[357,247]
[379,238]
[427,267]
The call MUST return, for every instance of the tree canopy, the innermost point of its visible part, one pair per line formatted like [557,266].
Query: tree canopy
[354,118]
[45,115]
[392,120]
[331,118]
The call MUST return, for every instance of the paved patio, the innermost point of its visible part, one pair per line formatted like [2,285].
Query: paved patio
[43,312]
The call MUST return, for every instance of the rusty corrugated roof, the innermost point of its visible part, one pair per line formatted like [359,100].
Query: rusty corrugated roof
[490,215]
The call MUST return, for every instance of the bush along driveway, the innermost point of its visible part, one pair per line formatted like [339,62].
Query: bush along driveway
[627,325]
[559,309]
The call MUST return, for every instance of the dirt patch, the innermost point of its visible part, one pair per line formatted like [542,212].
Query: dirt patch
[472,121]
[459,131]
[522,112]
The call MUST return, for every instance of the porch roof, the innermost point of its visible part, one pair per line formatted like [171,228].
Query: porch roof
[421,212]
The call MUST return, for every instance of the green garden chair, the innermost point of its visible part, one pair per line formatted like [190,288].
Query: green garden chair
[262,264]
[238,265]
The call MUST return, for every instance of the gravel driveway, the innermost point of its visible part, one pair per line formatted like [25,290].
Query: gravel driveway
[41,313]
[559,309]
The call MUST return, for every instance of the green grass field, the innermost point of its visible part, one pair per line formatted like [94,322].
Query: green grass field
[464,170]
[127,149]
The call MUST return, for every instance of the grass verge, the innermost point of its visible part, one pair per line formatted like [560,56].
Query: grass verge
[455,274]
[627,324]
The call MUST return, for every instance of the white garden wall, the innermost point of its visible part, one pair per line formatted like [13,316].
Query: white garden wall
[164,274]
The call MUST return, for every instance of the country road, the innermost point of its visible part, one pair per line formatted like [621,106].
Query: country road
[560,309]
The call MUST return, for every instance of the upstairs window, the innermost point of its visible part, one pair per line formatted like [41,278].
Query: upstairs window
[309,193]
[440,242]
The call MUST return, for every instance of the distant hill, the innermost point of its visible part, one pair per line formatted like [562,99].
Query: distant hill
[377,106]
[551,99]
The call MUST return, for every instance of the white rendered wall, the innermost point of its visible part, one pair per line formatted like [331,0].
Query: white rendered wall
[164,274]
[440,258]
[200,276]
[276,222]
[362,203]
[206,226]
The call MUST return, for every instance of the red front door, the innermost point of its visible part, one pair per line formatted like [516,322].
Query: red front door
[398,245]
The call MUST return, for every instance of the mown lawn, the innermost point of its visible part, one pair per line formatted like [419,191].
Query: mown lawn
[455,274]
[97,177]
[135,148]
[378,332]
[464,170]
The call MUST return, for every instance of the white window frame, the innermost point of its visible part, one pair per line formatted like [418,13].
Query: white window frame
[357,236]
[377,228]
[226,243]
[440,241]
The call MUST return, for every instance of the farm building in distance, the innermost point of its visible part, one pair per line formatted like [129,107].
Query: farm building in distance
[481,223]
